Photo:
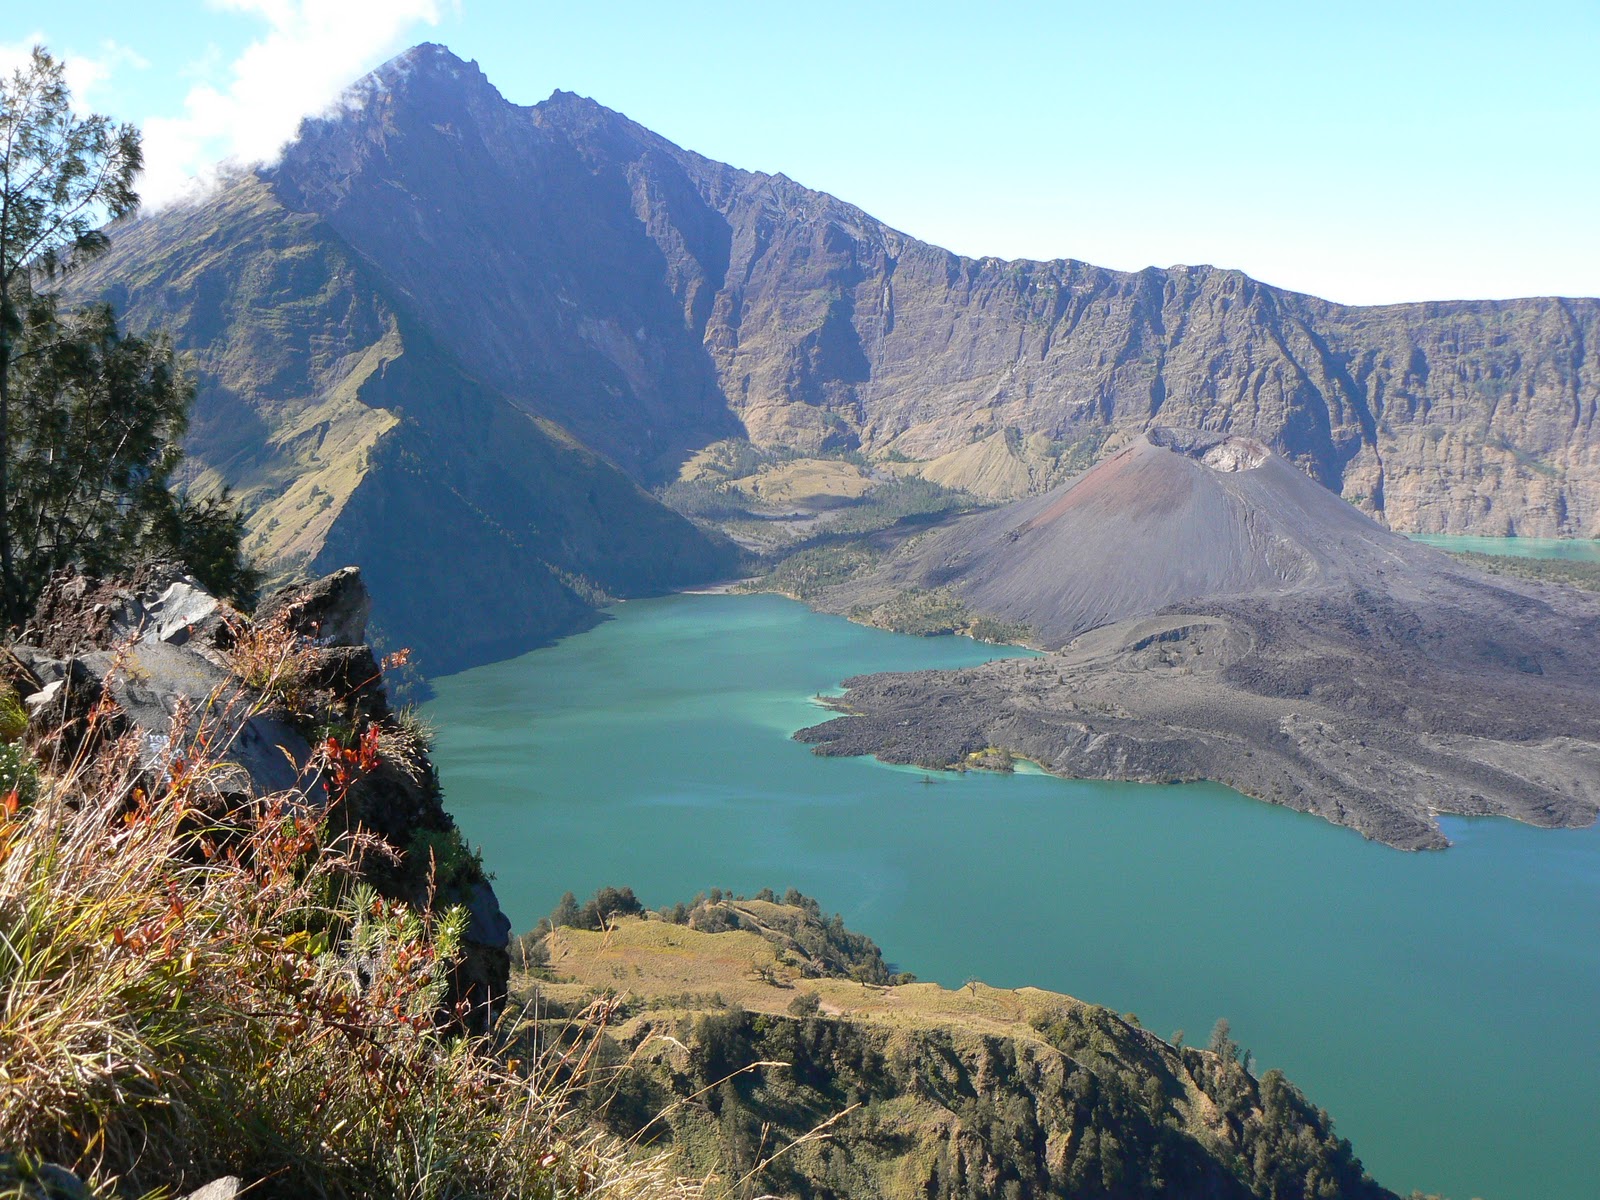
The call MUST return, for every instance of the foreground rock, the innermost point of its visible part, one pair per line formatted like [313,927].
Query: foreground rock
[156,645]
[156,655]
[1219,616]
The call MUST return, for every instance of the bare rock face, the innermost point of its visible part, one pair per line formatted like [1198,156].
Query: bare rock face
[332,611]
[159,601]
[155,644]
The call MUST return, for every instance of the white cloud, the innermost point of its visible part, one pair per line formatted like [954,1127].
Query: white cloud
[85,73]
[310,52]
[15,54]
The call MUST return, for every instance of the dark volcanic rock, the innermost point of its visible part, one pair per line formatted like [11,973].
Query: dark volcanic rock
[1220,616]
[1371,711]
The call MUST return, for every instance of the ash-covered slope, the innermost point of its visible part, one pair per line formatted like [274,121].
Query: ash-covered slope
[1173,516]
[1219,616]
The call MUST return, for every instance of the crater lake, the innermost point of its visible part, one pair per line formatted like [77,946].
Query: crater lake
[1440,1005]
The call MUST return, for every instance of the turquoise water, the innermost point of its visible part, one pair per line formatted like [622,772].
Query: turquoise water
[1578,549]
[1442,1006]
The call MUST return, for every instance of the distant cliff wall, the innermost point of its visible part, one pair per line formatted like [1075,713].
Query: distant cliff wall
[448,317]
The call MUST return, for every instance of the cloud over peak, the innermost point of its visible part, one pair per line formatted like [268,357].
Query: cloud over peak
[299,66]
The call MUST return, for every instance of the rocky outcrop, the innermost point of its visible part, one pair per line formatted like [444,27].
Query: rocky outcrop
[155,646]
[332,611]
[157,656]
[447,335]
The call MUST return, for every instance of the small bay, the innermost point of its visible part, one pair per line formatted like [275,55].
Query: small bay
[1442,1006]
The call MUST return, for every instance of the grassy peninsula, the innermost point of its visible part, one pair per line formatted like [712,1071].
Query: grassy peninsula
[768,1049]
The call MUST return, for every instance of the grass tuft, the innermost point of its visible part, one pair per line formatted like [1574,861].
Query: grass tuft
[187,993]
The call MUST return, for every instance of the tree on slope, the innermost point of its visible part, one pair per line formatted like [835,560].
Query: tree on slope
[61,178]
[91,419]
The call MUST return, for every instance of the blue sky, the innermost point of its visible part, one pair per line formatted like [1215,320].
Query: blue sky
[1364,152]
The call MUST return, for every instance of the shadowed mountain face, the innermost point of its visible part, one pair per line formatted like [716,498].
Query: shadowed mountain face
[353,431]
[634,301]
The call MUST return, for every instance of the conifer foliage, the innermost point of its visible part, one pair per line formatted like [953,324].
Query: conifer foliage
[91,419]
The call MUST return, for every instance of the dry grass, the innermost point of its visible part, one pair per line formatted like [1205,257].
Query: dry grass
[186,993]
[807,481]
[648,959]
[272,659]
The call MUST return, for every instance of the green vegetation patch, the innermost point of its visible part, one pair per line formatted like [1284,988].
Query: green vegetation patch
[1570,572]
[19,774]
[807,573]
[900,502]
[931,612]
[742,1071]
[444,856]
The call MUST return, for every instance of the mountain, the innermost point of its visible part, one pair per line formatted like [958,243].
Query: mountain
[814,324]
[446,317]
[350,434]
[1173,516]
[1217,615]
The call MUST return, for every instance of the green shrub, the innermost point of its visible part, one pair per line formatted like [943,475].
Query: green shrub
[598,912]
[806,573]
[1572,572]
[455,865]
[13,716]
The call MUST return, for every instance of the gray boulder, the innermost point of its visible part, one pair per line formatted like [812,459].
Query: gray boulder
[225,1188]
[333,610]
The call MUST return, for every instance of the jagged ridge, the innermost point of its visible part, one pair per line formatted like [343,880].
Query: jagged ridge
[563,262]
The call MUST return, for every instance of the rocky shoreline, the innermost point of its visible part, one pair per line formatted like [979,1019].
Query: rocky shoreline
[1362,738]
[1214,614]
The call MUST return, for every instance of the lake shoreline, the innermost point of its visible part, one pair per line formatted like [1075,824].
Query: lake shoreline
[1415,996]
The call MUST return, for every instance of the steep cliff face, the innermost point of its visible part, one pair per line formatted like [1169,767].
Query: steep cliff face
[553,297]
[348,432]
[640,294]
[1450,417]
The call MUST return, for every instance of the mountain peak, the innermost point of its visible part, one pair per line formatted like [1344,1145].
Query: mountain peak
[424,59]
[429,72]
